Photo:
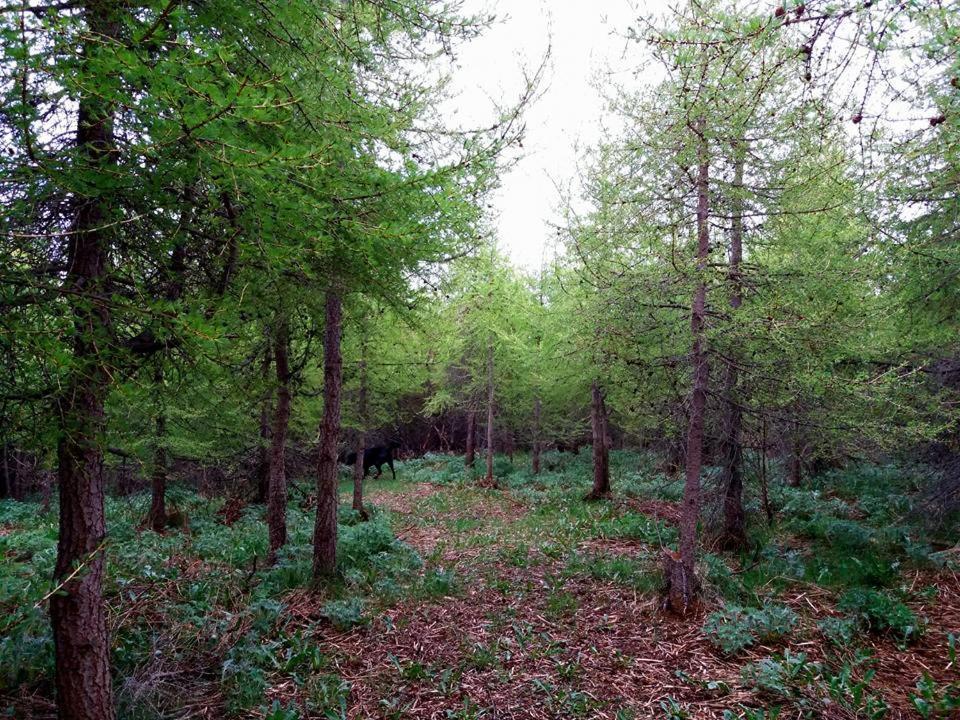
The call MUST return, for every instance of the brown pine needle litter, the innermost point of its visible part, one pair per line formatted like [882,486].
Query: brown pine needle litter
[504,649]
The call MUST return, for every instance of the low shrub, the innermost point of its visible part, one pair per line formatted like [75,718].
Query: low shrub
[439,583]
[735,628]
[935,701]
[780,676]
[841,631]
[810,687]
[345,614]
[637,526]
[881,613]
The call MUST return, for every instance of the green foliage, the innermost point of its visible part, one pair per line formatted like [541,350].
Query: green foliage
[932,700]
[345,614]
[636,526]
[439,583]
[561,604]
[772,713]
[849,687]
[881,613]
[642,574]
[673,710]
[781,676]
[328,694]
[278,712]
[735,628]
[809,685]
[238,618]
[841,631]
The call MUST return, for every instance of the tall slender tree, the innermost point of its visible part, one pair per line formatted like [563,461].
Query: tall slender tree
[277,493]
[601,443]
[80,635]
[325,528]
[731,444]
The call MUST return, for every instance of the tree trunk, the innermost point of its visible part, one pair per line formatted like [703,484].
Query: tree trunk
[157,519]
[325,528]
[77,611]
[537,410]
[277,494]
[682,585]
[601,444]
[7,473]
[263,450]
[764,493]
[794,465]
[470,455]
[731,479]
[361,433]
[734,530]
[489,478]
[46,490]
[173,281]
[795,449]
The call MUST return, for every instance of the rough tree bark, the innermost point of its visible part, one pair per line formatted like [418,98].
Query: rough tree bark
[173,283]
[537,411]
[325,528]
[157,518]
[682,584]
[764,493]
[263,450]
[490,480]
[734,520]
[8,473]
[469,456]
[795,451]
[795,465]
[361,435]
[277,493]
[601,444]
[173,291]
[77,612]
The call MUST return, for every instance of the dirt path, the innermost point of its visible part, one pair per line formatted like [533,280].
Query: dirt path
[531,635]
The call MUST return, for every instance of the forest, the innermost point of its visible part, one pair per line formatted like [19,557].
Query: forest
[286,433]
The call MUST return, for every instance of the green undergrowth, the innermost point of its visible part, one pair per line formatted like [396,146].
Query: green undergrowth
[200,604]
[199,614]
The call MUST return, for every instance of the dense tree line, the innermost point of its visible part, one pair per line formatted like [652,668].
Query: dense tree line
[196,192]
[235,230]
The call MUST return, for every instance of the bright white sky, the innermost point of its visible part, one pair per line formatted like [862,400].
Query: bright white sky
[587,39]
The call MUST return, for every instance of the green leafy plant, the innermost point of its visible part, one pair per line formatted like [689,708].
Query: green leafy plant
[278,712]
[841,631]
[673,710]
[772,713]
[345,614]
[735,628]
[439,583]
[781,676]
[933,701]
[849,686]
[881,613]
[561,604]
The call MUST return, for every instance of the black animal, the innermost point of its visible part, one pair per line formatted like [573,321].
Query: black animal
[570,447]
[376,456]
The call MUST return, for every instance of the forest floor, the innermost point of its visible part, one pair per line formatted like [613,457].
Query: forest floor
[524,602]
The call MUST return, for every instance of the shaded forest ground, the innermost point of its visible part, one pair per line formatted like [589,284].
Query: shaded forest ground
[524,601]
